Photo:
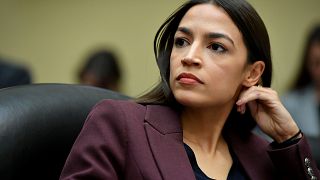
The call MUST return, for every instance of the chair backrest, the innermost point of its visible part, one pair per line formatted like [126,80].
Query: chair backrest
[38,125]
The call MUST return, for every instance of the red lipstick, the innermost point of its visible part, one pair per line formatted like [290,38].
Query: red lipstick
[188,78]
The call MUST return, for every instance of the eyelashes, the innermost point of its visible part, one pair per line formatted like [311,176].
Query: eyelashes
[217,48]
[180,42]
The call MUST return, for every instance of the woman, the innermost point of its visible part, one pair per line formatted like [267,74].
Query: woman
[196,123]
[303,100]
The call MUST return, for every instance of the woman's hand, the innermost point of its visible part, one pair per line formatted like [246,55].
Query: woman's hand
[269,113]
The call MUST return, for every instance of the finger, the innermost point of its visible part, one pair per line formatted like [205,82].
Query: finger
[244,97]
[255,93]
[242,108]
[252,105]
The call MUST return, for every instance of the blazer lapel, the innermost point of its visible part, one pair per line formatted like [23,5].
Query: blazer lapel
[252,154]
[164,133]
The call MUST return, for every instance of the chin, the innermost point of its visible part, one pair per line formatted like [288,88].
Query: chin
[191,100]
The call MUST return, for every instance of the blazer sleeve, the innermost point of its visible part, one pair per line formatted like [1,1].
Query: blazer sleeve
[99,151]
[295,161]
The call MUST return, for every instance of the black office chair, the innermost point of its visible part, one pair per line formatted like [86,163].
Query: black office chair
[38,125]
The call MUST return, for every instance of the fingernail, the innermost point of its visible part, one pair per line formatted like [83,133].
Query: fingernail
[239,102]
[243,109]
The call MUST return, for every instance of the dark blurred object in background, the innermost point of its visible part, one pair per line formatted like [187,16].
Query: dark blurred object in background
[101,69]
[12,74]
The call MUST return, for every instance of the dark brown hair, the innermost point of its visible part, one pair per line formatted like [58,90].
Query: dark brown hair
[103,65]
[247,20]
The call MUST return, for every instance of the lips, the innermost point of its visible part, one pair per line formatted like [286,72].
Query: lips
[188,78]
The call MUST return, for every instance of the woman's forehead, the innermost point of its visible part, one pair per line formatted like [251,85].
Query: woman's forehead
[207,18]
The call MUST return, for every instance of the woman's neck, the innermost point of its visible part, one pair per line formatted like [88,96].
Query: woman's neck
[203,127]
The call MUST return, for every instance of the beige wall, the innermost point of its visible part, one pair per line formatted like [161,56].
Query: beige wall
[288,22]
[52,37]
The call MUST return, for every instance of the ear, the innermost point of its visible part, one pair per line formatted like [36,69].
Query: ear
[253,73]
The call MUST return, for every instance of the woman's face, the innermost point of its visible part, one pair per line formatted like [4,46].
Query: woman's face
[208,59]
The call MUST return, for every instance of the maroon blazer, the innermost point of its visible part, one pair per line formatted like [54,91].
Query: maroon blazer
[126,140]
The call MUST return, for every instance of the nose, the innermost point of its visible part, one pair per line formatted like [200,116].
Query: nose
[187,61]
[193,57]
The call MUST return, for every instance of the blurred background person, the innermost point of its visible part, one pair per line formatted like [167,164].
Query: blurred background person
[303,99]
[13,74]
[101,69]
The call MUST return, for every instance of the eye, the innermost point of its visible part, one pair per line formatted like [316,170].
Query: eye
[180,42]
[217,48]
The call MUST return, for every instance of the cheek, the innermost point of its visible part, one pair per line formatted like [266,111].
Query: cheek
[226,73]
[172,67]
[226,81]
[174,63]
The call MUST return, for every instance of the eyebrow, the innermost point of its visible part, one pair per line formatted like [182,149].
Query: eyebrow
[213,35]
